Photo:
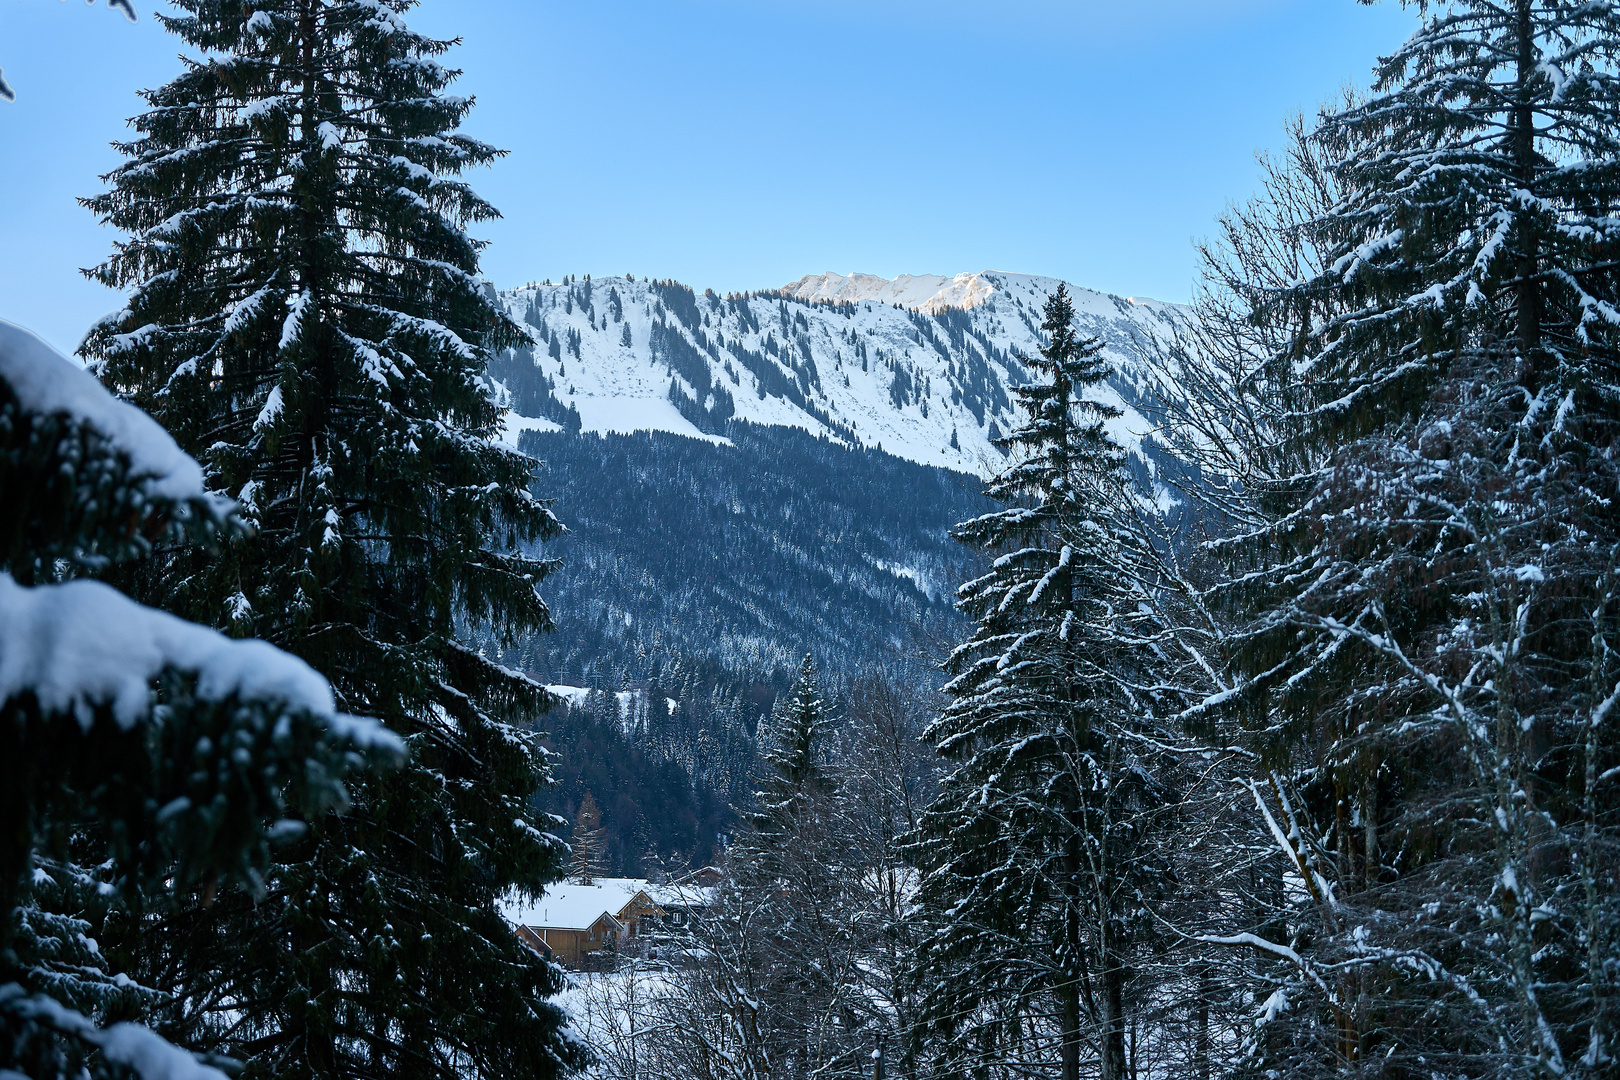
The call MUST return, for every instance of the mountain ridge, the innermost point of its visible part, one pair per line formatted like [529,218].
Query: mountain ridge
[919,365]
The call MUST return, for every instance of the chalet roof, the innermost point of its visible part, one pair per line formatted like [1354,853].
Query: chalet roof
[682,895]
[570,906]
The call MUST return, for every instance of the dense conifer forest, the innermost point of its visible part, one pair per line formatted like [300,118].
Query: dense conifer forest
[741,558]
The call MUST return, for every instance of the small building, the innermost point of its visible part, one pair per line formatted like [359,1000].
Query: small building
[682,901]
[572,921]
[568,944]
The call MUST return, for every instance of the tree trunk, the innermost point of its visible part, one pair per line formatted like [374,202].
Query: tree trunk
[1068,992]
[1112,1041]
[1524,160]
[1201,1043]
[1369,813]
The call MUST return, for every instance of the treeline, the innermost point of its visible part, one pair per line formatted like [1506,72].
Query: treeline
[668,780]
[1323,783]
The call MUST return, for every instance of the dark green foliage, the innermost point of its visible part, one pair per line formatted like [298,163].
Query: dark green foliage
[1422,567]
[743,556]
[312,327]
[531,392]
[657,786]
[796,929]
[795,759]
[1038,866]
[672,348]
[70,498]
[712,419]
[679,300]
[100,801]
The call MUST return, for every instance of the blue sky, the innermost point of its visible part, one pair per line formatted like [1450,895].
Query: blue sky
[739,144]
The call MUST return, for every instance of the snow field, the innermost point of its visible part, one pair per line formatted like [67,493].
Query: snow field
[845,345]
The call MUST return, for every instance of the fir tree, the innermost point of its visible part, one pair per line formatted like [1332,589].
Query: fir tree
[785,933]
[795,756]
[1034,845]
[305,316]
[137,752]
[585,862]
[1427,626]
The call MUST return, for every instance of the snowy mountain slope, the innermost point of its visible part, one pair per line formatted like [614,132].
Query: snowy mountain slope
[919,366]
[921,292]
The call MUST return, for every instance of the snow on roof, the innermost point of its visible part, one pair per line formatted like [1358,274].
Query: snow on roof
[45,381]
[685,896]
[571,906]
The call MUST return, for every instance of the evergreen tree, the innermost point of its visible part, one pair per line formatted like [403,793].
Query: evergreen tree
[585,862]
[797,777]
[1428,638]
[784,934]
[1034,849]
[305,316]
[137,751]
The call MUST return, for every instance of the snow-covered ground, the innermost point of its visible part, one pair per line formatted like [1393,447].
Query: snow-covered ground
[632,703]
[920,365]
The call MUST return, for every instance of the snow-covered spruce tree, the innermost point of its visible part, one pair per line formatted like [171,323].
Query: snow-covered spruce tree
[1233,395]
[1429,664]
[797,777]
[136,750]
[1035,850]
[585,846]
[304,315]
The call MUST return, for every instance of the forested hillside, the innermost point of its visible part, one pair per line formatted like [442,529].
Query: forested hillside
[740,558]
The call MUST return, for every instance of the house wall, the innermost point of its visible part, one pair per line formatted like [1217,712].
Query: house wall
[568,946]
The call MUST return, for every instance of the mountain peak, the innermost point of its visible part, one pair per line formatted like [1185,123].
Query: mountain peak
[929,293]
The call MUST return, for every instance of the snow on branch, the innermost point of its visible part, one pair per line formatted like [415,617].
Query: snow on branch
[83,643]
[45,381]
[139,1049]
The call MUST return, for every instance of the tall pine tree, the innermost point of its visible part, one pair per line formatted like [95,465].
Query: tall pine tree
[585,856]
[784,984]
[305,316]
[797,779]
[1034,848]
[1428,656]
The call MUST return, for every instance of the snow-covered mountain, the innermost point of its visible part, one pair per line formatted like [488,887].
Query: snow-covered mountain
[919,366]
[745,551]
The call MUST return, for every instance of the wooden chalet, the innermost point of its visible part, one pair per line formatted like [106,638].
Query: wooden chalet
[572,921]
